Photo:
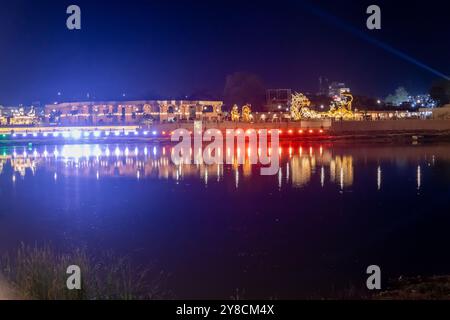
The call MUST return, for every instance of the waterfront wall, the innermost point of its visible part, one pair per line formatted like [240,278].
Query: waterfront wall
[387,126]
[334,127]
[321,124]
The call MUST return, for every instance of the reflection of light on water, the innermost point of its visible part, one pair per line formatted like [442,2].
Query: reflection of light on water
[280,178]
[287,172]
[379,178]
[322,176]
[419,177]
[301,168]
[130,161]
[97,152]
[341,171]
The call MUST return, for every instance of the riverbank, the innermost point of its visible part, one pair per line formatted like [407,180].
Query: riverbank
[418,288]
[317,130]
[6,291]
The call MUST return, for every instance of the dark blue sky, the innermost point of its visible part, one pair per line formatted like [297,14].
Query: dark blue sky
[156,49]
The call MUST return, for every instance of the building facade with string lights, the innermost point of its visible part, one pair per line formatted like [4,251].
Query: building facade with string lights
[132,112]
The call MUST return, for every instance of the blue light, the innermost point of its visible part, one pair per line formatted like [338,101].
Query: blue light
[76,134]
[66,134]
[55,134]
[45,134]
[155,133]
[97,134]
[86,134]
[117,133]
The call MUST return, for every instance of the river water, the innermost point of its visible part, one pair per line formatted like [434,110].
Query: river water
[309,231]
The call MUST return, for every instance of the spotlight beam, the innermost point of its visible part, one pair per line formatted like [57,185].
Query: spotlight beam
[341,24]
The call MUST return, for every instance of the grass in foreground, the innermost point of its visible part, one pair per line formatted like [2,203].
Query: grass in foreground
[40,273]
[418,288]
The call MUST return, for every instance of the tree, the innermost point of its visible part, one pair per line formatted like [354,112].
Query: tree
[440,91]
[244,88]
[400,96]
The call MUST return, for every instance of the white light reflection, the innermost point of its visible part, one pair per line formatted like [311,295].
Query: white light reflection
[419,177]
[379,178]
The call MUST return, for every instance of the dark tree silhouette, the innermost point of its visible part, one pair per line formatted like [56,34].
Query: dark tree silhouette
[440,91]
[242,88]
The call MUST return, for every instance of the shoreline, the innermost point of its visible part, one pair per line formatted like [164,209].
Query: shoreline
[392,137]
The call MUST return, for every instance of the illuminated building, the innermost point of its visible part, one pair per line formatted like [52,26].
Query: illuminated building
[335,89]
[132,112]
[278,99]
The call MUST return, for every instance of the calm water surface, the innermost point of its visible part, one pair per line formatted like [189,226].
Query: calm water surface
[311,230]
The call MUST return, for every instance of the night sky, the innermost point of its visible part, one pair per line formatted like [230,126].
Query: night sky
[170,49]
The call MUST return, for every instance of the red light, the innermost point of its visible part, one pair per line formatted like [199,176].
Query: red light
[310,131]
[290,131]
[163,132]
[280,131]
[300,131]
[321,131]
